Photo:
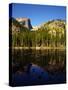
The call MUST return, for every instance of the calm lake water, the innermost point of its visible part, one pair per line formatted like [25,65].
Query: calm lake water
[31,67]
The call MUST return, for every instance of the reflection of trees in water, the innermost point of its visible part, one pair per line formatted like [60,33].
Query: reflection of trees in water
[48,59]
[22,58]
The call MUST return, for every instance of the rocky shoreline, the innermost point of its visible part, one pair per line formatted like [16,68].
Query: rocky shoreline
[39,48]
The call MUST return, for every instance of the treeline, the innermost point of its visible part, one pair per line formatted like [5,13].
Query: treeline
[38,38]
[50,34]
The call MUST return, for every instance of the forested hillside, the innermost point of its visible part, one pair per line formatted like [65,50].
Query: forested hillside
[50,34]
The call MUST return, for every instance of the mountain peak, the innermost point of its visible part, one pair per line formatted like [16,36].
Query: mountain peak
[26,22]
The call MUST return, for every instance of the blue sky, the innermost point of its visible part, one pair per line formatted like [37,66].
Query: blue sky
[38,13]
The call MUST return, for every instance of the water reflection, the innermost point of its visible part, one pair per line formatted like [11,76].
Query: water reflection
[47,65]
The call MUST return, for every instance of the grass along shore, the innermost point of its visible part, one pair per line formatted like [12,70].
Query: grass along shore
[38,48]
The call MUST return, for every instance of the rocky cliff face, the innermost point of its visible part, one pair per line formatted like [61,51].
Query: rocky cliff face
[15,26]
[25,22]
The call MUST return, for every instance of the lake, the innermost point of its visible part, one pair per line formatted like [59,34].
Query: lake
[35,67]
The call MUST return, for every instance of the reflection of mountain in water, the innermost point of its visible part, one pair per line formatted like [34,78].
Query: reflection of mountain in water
[37,76]
[38,67]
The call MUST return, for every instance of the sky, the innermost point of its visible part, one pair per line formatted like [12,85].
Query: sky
[38,14]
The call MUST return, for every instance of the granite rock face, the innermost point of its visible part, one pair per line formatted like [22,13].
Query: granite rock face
[25,22]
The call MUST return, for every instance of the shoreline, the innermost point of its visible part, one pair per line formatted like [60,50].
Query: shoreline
[39,48]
